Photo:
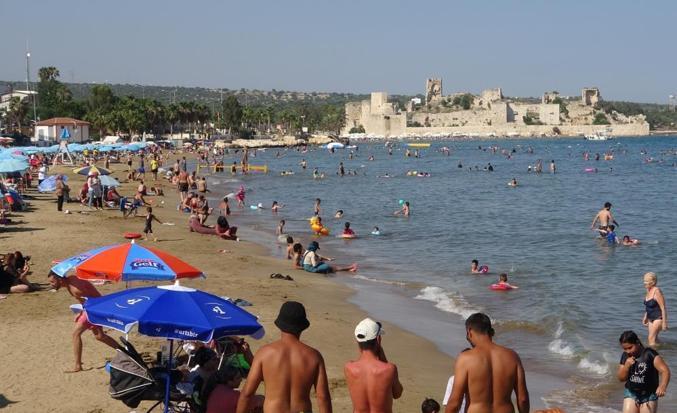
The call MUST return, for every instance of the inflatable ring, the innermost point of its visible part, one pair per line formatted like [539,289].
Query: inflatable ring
[132,235]
[500,287]
[348,236]
[316,227]
[483,269]
[324,231]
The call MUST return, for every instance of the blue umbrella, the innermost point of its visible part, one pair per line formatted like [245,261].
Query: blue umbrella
[172,312]
[49,184]
[8,165]
[51,149]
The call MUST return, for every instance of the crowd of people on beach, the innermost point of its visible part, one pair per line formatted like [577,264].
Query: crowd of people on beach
[486,375]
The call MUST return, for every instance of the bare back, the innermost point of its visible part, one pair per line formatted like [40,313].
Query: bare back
[371,382]
[488,375]
[81,289]
[289,371]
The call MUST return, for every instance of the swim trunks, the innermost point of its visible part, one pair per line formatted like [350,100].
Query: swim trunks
[81,319]
[183,186]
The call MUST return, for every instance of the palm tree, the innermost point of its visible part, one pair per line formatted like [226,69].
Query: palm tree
[17,112]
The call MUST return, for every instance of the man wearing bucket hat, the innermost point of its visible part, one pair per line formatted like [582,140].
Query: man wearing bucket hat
[289,368]
[373,382]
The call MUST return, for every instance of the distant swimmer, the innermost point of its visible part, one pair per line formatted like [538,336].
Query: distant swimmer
[338,214]
[627,241]
[276,207]
[475,268]
[405,211]
[317,209]
[553,167]
[375,231]
[604,217]
[502,284]
[513,183]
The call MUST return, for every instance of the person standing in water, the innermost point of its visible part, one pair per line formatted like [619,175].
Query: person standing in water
[604,217]
[405,210]
[655,314]
[645,374]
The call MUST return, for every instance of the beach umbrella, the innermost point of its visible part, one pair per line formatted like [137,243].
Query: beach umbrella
[92,169]
[12,154]
[8,165]
[49,184]
[50,149]
[173,312]
[132,147]
[109,181]
[126,262]
[75,147]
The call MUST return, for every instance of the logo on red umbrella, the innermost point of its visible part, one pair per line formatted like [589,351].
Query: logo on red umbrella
[144,263]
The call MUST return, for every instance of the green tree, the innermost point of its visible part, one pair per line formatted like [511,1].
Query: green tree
[55,99]
[100,104]
[17,113]
[232,114]
[600,119]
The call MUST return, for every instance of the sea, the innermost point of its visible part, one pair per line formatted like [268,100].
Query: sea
[576,294]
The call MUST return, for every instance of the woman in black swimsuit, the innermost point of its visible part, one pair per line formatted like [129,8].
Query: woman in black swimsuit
[655,315]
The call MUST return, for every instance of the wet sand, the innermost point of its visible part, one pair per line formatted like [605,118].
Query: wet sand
[36,328]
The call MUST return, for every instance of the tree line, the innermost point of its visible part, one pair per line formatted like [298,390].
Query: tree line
[129,115]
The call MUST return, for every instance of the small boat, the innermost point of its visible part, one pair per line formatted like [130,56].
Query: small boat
[418,145]
[597,137]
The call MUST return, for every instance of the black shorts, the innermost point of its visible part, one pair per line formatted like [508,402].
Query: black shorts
[183,187]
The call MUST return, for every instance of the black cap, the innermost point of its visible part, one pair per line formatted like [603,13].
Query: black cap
[292,318]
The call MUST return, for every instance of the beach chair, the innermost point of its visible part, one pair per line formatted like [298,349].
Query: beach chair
[132,381]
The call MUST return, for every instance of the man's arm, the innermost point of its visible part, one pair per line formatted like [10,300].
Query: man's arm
[460,385]
[322,388]
[397,385]
[664,375]
[521,391]
[254,378]
[594,221]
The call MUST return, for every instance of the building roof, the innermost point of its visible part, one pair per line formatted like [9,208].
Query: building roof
[62,122]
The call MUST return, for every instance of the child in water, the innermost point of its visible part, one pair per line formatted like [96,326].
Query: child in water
[290,247]
[375,231]
[611,235]
[630,241]
[347,232]
[338,214]
[503,282]
[476,269]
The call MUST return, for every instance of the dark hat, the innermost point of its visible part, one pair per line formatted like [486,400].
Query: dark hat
[292,318]
[313,246]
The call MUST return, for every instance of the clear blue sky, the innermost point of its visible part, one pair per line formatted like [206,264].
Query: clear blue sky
[626,48]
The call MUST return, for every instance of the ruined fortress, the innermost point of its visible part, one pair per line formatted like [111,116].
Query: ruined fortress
[488,114]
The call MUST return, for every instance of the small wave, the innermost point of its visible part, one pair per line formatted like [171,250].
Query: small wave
[595,367]
[378,281]
[445,302]
[561,347]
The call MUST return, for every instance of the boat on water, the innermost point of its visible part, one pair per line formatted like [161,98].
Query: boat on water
[598,137]
[418,145]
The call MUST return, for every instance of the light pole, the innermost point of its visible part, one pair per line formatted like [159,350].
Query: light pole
[28,88]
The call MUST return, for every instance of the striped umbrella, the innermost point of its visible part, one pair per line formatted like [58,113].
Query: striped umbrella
[126,262]
[90,170]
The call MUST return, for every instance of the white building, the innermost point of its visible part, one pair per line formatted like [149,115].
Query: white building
[49,131]
[5,98]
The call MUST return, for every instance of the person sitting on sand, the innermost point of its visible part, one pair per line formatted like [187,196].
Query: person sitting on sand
[627,241]
[290,246]
[9,280]
[203,209]
[503,282]
[347,232]
[113,196]
[81,290]
[297,256]
[223,229]
[314,262]
[220,392]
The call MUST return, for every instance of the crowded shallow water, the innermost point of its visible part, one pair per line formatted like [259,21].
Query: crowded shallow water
[577,293]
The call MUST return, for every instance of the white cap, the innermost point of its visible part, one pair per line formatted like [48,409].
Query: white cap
[368,330]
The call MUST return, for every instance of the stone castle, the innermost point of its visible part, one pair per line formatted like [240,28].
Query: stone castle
[488,114]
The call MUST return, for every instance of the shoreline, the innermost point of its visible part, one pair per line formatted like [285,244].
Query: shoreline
[40,323]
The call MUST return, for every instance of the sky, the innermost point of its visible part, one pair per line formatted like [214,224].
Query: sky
[626,48]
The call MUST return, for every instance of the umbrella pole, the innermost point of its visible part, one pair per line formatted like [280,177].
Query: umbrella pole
[169,375]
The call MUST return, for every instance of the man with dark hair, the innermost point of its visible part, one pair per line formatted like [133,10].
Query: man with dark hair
[604,217]
[487,373]
[373,382]
[289,368]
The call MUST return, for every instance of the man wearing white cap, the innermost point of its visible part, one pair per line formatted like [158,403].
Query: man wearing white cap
[372,381]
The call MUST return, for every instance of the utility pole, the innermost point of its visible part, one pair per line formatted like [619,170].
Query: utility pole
[28,88]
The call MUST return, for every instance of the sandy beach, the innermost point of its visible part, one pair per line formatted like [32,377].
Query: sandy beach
[36,327]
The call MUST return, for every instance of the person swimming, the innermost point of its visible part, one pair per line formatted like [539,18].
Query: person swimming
[475,268]
[513,183]
[347,231]
[629,241]
[503,283]
[338,214]
[375,231]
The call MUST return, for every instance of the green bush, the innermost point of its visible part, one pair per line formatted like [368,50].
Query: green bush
[357,129]
[600,119]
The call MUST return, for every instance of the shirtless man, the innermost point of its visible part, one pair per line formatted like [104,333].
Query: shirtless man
[289,368]
[604,217]
[372,381]
[487,374]
[80,290]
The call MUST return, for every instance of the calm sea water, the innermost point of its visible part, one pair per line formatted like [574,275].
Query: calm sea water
[577,293]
